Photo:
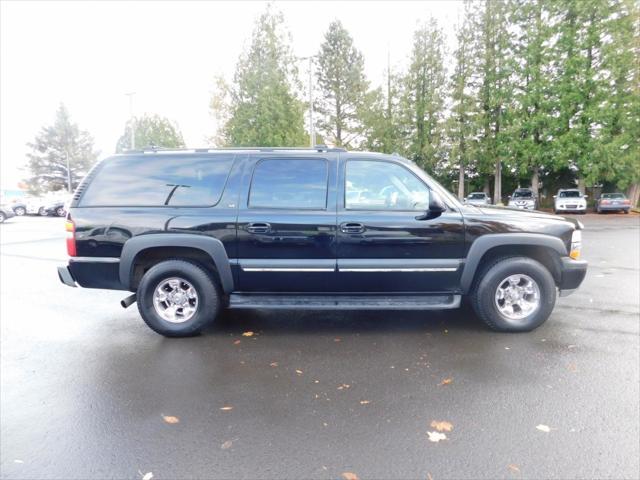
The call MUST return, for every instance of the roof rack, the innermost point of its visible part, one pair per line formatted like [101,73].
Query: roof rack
[317,148]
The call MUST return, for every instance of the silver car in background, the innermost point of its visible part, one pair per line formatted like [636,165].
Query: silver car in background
[477,198]
[523,198]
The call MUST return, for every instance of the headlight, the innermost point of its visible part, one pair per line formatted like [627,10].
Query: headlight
[576,244]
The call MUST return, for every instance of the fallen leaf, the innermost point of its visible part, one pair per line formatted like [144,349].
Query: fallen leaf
[316,381]
[343,386]
[572,367]
[147,476]
[226,408]
[429,477]
[247,334]
[442,425]
[273,364]
[337,340]
[170,419]
[349,476]
[226,445]
[18,461]
[299,372]
[446,381]
[513,467]
[364,402]
[543,428]
[237,342]
[436,436]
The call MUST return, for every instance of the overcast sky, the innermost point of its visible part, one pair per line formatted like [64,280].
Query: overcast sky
[89,54]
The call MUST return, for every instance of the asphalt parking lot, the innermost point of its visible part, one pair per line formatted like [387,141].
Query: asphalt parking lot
[88,391]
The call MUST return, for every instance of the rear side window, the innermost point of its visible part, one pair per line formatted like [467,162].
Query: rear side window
[162,180]
[289,184]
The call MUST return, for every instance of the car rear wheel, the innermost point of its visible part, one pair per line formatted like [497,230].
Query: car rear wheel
[19,211]
[60,212]
[42,212]
[514,294]
[178,298]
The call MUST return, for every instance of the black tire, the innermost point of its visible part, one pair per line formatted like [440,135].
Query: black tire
[19,211]
[492,276]
[209,298]
[42,212]
[598,211]
[60,212]
[626,212]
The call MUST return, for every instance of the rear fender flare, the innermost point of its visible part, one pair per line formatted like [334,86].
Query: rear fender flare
[486,242]
[211,246]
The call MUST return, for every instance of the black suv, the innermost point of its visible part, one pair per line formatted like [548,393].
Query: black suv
[192,231]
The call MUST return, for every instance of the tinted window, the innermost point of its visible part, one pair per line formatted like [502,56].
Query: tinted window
[289,184]
[152,181]
[570,194]
[374,185]
[613,195]
[522,194]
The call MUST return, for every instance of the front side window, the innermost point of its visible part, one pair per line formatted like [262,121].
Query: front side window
[374,185]
[160,180]
[290,183]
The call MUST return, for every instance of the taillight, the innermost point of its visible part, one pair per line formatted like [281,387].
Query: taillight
[627,202]
[71,237]
[606,202]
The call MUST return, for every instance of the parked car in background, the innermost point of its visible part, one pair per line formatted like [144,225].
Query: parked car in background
[478,198]
[19,208]
[56,208]
[613,202]
[523,198]
[5,212]
[570,200]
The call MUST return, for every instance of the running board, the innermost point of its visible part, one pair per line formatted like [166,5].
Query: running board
[344,302]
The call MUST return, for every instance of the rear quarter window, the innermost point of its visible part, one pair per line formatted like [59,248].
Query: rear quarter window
[156,181]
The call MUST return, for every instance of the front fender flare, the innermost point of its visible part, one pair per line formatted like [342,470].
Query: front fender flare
[486,242]
[211,246]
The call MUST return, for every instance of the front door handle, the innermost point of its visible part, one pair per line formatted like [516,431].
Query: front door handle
[258,227]
[350,227]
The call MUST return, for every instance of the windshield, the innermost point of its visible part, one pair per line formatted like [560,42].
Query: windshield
[476,196]
[570,194]
[613,195]
[522,194]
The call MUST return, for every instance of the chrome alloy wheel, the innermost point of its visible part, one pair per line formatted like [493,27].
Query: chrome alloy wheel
[175,300]
[517,297]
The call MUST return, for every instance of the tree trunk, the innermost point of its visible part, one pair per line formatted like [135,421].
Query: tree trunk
[581,185]
[535,181]
[633,193]
[487,186]
[497,189]
[461,181]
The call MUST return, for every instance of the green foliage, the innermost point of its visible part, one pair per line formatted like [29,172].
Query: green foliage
[150,131]
[342,98]
[52,148]
[260,107]
[424,96]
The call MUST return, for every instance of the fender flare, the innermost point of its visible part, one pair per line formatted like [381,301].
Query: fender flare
[486,242]
[212,246]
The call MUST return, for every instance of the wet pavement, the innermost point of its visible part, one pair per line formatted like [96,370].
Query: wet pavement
[88,391]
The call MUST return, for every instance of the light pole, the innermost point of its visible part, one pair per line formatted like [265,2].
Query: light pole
[133,129]
[312,130]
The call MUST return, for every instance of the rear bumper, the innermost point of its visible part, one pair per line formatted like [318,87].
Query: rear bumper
[92,272]
[613,208]
[572,273]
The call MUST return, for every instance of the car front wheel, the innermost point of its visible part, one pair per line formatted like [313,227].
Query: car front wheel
[20,211]
[60,212]
[178,298]
[514,294]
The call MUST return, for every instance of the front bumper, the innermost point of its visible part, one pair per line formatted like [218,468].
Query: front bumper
[572,273]
[573,208]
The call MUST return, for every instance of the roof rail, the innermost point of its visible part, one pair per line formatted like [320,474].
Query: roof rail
[317,148]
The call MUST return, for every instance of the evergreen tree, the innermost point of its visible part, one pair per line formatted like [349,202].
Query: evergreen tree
[462,127]
[342,97]
[150,131]
[495,50]
[261,107]
[533,111]
[55,147]
[424,96]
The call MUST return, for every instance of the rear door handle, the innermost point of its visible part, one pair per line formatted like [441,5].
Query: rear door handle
[351,227]
[258,227]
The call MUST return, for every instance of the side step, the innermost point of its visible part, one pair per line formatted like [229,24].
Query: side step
[344,302]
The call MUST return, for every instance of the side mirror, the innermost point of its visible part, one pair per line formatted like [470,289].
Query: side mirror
[436,207]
